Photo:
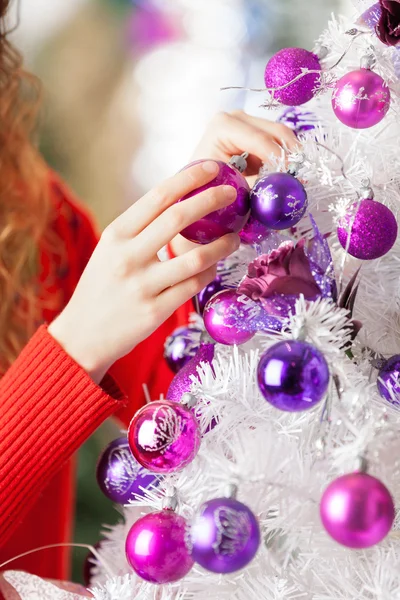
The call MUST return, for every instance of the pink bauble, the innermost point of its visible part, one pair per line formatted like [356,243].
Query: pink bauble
[164,436]
[156,547]
[361,99]
[284,67]
[357,510]
[226,318]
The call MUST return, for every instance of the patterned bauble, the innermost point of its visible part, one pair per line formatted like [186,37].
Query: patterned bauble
[389,380]
[357,510]
[298,120]
[373,229]
[164,436]
[230,219]
[120,477]
[225,536]
[200,301]
[278,201]
[181,346]
[293,376]
[284,67]
[361,99]
[156,547]
[226,318]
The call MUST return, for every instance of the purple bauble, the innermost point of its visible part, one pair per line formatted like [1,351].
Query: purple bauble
[181,346]
[254,232]
[225,536]
[226,318]
[278,201]
[357,510]
[389,380]
[298,120]
[182,382]
[230,219]
[293,376]
[373,230]
[120,477]
[164,436]
[361,99]
[284,67]
[156,547]
[200,301]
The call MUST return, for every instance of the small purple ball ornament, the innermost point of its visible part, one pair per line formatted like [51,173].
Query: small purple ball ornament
[200,301]
[293,376]
[120,477]
[357,510]
[278,201]
[361,99]
[226,318]
[164,437]
[284,67]
[230,219]
[389,380]
[224,536]
[181,346]
[156,547]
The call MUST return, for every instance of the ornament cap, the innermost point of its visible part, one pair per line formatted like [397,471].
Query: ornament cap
[296,161]
[231,490]
[362,464]
[368,61]
[239,162]
[170,501]
[321,51]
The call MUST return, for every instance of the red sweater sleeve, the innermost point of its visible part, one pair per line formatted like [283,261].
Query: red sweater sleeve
[49,407]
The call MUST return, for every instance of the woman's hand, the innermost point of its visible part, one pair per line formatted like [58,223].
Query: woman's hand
[125,292]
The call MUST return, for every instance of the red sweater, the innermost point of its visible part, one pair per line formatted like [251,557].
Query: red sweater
[50,406]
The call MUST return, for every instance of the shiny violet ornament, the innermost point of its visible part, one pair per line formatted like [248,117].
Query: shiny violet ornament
[361,99]
[293,376]
[389,380]
[230,219]
[225,536]
[156,547]
[284,67]
[200,301]
[181,346]
[164,437]
[254,232]
[278,201]
[357,510]
[182,382]
[120,477]
[373,230]
[226,318]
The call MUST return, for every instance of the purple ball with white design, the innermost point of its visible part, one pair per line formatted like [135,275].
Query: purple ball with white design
[164,437]
[200,301]
[293,376]
[389,380]
[226,318]
[156,547]
[231,218]
[298,120]
[119,475]
[181,346]
[278,201]
[224,536]
[361,99]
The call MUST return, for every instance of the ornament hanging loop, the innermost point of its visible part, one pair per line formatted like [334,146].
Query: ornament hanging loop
[368,61]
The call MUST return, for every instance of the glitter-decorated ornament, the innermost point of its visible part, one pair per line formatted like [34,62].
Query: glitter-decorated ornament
[278,201]
[120,477]
[287,65]
[230,219]
[226,318]
[164,436]
[181,346]
[361,99]
[224,536]
[357,510]
[389,380]
[182,382]
[200,301]
[156,547]
[373,230]
[293,376]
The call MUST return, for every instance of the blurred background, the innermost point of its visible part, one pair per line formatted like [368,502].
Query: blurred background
[129,87]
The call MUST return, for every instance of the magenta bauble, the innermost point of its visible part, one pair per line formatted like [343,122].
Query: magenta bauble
[284,67]
[226,318]
[230,219]
[361,99]
[357,510]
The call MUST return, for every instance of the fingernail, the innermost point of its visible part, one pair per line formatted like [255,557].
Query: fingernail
[230,192]
[210,166]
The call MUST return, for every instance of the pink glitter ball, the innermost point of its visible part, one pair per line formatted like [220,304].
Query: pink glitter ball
[286,65]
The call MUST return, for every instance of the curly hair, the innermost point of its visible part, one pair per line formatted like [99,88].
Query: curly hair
[24,202]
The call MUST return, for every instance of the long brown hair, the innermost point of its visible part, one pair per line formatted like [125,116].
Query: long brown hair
[24,203]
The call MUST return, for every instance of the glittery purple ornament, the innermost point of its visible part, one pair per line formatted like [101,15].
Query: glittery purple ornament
[226,318]
[254,232]
[225,536]
[182,382]
[278,201]
[293,376]
[156,547]
[361,99]
[357,510]
[164,436]
[389,380]
[120,477]
[373,230]
[200,301]
[181,346]
[298,120]
[230,219]
[284,67]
